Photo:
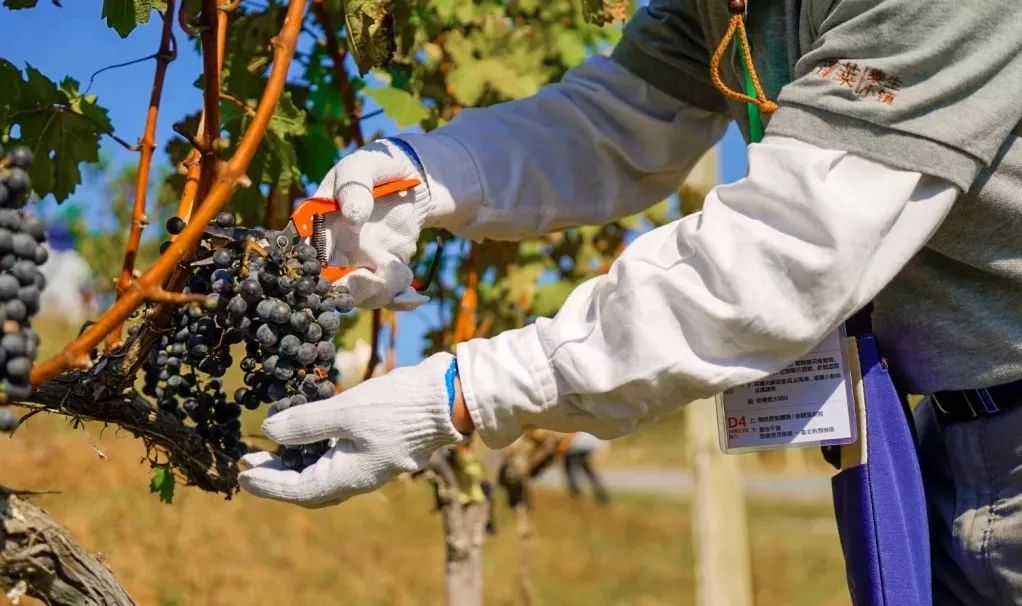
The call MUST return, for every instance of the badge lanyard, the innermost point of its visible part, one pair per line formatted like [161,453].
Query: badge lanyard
[810,402]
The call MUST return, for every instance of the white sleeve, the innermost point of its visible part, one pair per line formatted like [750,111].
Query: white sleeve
[599,145]
[720,298]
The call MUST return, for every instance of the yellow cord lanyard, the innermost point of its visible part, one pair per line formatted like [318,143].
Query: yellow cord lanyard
[754,98]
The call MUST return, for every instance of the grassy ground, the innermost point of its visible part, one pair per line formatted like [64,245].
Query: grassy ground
[386,549]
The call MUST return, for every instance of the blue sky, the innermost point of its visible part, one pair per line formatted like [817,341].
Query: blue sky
[74,41]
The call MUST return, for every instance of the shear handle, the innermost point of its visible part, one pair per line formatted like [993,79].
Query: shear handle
[304,212]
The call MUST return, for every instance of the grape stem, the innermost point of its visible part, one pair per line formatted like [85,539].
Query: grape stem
[225,183]
[166,53]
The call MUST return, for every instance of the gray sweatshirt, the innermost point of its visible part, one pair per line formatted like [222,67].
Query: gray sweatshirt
[933,86]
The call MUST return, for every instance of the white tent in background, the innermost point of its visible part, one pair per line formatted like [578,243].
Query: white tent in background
[68,293]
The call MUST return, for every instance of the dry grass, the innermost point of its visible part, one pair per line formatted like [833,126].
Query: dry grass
[386,549]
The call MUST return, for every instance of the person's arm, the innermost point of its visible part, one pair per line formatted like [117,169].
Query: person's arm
[598,145]
[718,299]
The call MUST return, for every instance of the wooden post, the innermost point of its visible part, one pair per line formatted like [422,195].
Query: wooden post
[720,532]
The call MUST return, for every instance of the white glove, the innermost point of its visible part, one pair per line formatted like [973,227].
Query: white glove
[377,236]
[383,427]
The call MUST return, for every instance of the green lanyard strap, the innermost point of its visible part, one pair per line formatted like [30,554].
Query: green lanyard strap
[753,97]
[755,117]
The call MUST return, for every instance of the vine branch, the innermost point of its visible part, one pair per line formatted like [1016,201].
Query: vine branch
[214,23]
[224,185]
[166,53]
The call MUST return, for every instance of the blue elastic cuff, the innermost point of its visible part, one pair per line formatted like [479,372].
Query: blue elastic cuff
[449,377]
[409,151]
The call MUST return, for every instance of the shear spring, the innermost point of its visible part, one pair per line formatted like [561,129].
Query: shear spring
[319,239]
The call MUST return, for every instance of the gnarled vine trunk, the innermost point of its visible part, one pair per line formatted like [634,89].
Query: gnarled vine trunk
[39,558]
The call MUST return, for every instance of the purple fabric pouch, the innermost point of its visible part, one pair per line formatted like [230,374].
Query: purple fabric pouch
[880,505]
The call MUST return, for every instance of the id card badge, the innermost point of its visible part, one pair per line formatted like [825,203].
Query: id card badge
[809,403]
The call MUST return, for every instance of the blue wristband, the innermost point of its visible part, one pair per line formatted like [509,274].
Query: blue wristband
[449,377]
[409,151]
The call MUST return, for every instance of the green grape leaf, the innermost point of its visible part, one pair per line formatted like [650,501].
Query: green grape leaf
[317,151]
[467,83]
[123,16]
[570,46]
[162,483]
[287,118]
[62,128]
[399,105]
[248,52]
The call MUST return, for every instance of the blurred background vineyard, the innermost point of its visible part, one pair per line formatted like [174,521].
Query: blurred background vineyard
[386,548]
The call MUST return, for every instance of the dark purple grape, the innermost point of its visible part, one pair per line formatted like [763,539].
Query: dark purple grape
[314,334]
[299,322]
[237,305]
[20,157]
[345,302]
[18,368]
[285,284]
[222,258]
[175,225]
[275,390]
[305,286]
[329,322]
[23,246]
[15,310]
[35,227]
[284,370]
[291,458]
[8,287]
[266,336]
[322,285]
[325,389]
[311,269]
[306,353]
[225,220]
[264,309]
[281,313]
[306,252]
[325,351]
[289,345]
[251,290]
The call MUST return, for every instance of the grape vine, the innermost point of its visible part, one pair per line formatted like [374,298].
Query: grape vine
[276,304]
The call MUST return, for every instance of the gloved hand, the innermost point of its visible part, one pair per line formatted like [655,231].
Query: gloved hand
[377,236]
[383,427]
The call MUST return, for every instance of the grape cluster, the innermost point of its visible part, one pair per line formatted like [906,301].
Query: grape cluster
[278,305]
[21,284]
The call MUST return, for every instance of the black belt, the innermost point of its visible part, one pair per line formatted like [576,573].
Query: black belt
[969,404]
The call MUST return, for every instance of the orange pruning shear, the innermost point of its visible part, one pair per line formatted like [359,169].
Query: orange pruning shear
[308,220]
